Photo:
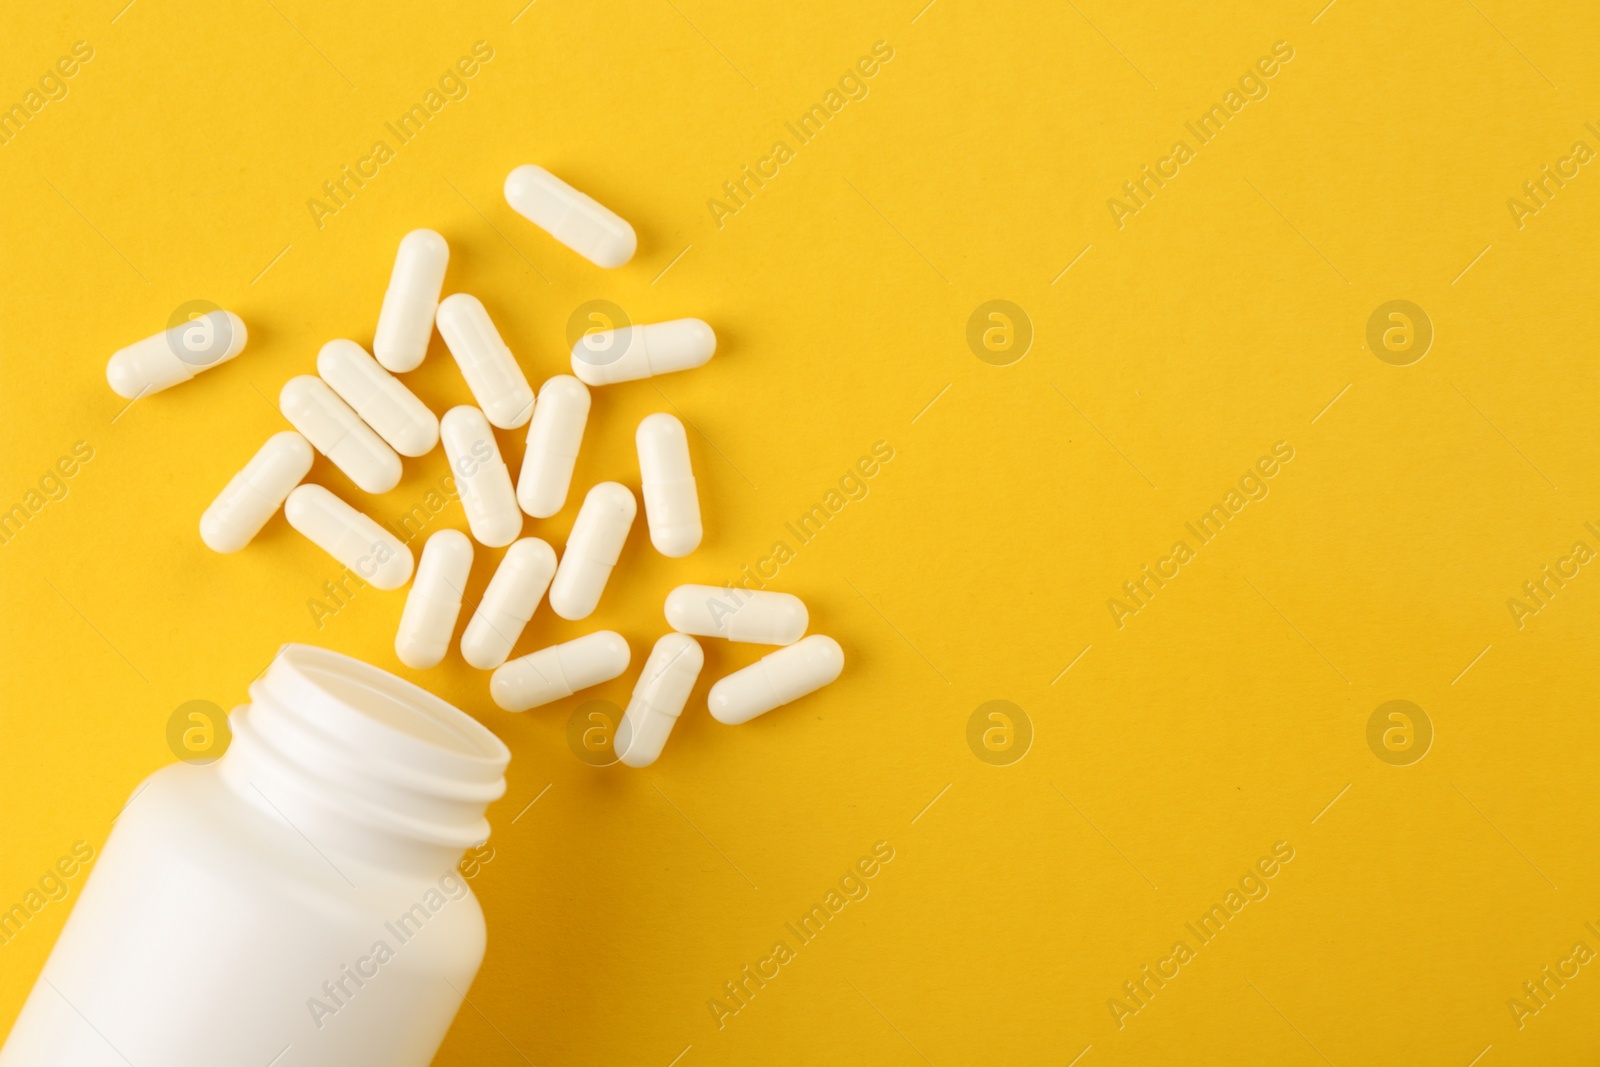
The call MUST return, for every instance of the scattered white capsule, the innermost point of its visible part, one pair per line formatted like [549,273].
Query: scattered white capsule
[776,679]
[338,433]
[405,322]
[175,354]
[671,505]
[553,439]
[626,353]
[481,476]
[576,219]
[348,536]
[508,603]
[251,496]
[592,550]
[491,371]
[434,603]
[378,397]
[758,616]
[658,699]
[559,671]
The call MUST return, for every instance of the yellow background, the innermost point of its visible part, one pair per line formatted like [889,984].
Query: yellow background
[1224,317]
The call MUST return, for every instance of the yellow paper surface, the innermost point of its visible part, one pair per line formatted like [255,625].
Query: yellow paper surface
[1174,736]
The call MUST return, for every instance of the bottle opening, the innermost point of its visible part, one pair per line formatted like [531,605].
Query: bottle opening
[395,702]
[359,760]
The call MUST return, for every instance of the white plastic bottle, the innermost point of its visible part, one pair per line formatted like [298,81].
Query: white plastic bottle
[298,898]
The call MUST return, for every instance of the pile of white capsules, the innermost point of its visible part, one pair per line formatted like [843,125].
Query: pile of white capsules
[363,419]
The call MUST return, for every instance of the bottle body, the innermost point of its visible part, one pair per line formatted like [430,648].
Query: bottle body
[228,921]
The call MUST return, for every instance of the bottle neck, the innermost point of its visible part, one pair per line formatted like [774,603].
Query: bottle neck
[363,765]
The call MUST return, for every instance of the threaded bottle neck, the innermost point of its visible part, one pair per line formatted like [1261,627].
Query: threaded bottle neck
[362,763]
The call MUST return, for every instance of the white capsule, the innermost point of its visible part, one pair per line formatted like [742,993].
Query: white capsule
[755,615]
[776,679]
[434,602]
[508,603]
[252,496]
[481,476]
[592,550]
[671,505]
[348,536]
[553,439]
[559,671]
[658,699]
[576,219]
[338,433]
[491,371]
[405,322]
[378,397]
[176,354]
[626,353]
